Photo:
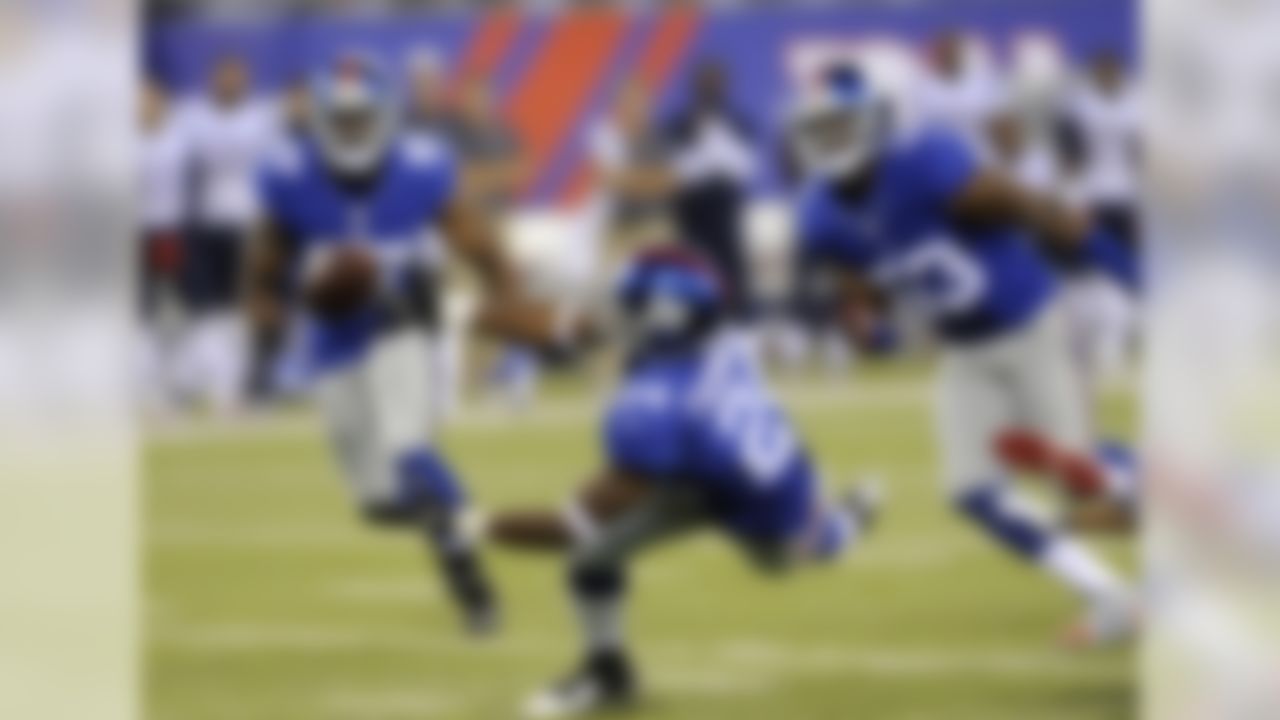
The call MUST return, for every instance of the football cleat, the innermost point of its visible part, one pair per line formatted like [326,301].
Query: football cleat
[1106,623]
[604,682]
[864,502]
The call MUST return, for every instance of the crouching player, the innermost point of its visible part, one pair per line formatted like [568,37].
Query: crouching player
[916,217]
[355,210]
[692,438]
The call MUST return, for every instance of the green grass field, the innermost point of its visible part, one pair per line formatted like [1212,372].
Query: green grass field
[268,600]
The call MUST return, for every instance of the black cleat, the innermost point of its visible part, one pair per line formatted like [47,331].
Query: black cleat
[605,682]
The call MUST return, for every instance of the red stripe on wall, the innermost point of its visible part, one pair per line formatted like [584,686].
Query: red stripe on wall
[675,30]
[488,45]
[560,81]
[667,43]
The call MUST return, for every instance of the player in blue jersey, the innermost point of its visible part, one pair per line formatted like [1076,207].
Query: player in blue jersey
[915,217]
[357,214]
[692,438]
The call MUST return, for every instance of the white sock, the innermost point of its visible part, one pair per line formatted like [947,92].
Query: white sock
[1080,569]
[601,621]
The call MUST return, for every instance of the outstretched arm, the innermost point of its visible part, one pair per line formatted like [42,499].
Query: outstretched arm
[611,495]
[991,198]
[506,311]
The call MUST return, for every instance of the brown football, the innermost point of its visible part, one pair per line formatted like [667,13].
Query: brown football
[346,280]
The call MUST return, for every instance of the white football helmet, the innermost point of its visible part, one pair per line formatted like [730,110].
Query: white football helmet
[839,124]
[354,113]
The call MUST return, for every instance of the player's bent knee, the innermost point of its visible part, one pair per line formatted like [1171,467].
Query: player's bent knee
[424,479]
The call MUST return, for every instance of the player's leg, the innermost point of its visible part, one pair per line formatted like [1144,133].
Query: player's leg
[597,582]
[1051,406]
[426,490]
[975,403]
[1054,435]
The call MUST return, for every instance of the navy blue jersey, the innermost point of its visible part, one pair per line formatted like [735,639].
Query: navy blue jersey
[396,219]
[975,282]
[708,421]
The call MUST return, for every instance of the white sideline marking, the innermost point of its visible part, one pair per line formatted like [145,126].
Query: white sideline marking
[254,537]
[745,664]
[387,703]
[948,662]
[726,683]
[396,592]
[301,424]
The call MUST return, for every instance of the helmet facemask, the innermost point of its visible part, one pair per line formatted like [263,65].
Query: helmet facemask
[353,126]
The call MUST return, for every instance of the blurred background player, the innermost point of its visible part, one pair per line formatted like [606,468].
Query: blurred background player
[355,211]
[494,172]
[712,152]
[693,438]
[429,106]
[633,179]
[227,132]
[919,218]
[162,194]
[959,89]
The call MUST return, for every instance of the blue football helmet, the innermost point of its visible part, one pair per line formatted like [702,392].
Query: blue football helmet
[670,299]
[354,112]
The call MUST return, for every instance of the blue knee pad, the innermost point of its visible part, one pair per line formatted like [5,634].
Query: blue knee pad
[426,479]
[1012,527]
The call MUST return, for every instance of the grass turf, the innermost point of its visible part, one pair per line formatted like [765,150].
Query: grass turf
[269,600]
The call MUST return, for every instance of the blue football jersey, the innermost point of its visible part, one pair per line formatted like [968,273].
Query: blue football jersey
[975,282]
[396,219]
[707,420]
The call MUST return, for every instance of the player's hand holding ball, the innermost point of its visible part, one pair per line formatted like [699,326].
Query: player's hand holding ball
[339,280]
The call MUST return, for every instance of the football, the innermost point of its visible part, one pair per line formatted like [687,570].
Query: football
[343,280]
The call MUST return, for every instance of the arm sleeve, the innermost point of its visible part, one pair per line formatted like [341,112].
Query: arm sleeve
[644,436]
[943,165]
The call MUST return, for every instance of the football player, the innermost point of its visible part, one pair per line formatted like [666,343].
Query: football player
[692,438]
[916,216]
[356,212]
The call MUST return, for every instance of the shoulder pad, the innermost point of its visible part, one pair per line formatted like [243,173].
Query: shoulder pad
[423,151]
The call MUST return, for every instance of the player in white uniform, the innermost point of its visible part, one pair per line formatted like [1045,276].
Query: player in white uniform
[227,135]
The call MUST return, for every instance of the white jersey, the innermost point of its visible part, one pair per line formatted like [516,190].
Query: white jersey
[163,181]
[228,143]
[963,104]
[1111,125]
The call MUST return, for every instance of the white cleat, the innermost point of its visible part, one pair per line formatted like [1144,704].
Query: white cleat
[1107,623]
[604,683]
[865,501]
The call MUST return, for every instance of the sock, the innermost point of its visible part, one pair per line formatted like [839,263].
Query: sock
[426,479]
[1001,513]
[598,592]
[1081,570]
